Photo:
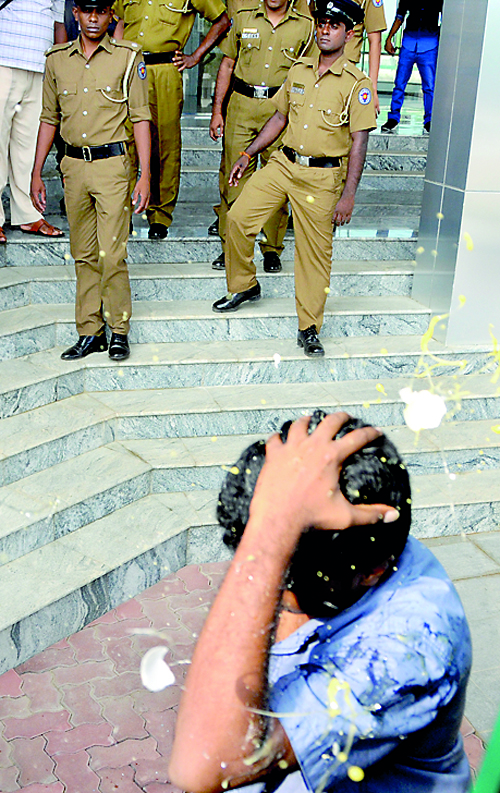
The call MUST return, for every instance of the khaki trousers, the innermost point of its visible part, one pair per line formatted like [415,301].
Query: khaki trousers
[97,196]
[20,107]
[165,102]
[313,194]
[245,119]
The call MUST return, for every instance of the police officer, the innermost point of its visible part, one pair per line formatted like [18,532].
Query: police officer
[92,87]
[326,105]
[162,29]
[264,41]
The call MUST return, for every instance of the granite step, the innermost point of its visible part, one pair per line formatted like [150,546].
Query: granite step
[43,437]
[370,244]
[29,329]
[33,285]
[108,561]
[61,499]
[34,380]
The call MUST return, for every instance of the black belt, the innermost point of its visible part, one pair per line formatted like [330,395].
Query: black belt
[158,57]
[311,162]
[254,91]
[90,153]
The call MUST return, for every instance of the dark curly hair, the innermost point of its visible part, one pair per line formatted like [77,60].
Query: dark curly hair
[326,563]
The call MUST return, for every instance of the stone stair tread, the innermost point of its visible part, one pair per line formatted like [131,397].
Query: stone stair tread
[72,561]
[20,433]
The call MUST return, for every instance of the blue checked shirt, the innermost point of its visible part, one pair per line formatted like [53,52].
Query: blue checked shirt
[27,31]
[380,687]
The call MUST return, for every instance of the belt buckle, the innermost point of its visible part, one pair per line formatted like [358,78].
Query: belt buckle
[87,154]
[301,159]
[260,91]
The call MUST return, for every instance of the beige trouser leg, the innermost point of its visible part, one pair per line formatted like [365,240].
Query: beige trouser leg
[97,196]
[165,102]
[20,106]
[245,119]
[266,191]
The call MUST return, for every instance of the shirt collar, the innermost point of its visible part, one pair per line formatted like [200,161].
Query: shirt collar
[337,66]
[261,11]
[104,44]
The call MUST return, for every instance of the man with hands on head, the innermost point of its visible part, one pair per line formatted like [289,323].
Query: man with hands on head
[92,88]
[336,654]
[326,109]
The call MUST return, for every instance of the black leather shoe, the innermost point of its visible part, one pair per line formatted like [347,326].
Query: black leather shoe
[157,231]
[389,126]
[85,346]
[308,339]
[213,228]
[118,347]
[232,302]
[272,262]
[219,263]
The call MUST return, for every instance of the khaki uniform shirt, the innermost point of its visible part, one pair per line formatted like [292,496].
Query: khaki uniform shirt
[374,22]
[264,54]
[164,25]
[84,97]
[324,111]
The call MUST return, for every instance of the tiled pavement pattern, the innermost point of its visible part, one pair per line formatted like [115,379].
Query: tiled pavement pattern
[76,718]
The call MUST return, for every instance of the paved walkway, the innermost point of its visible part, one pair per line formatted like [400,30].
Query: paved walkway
[76,718]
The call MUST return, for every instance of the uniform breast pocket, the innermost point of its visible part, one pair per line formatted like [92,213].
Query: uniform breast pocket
[108,92]
[330,116]
[297,99]
[132,12]
[170,11]
[249,51]
[68,99]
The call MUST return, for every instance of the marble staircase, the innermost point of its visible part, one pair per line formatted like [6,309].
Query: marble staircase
[109,472]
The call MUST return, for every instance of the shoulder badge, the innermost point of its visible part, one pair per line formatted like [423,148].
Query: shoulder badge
[141,70]
[364,96]
[378,3]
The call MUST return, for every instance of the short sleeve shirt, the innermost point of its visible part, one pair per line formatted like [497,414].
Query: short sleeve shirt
[264,54]
[164,25]
[324,111]
[373,23]
[86,102]
[379,689]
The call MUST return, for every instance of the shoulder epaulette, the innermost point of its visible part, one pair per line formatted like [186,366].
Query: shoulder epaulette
[57,47]
[130,45]
[351,67]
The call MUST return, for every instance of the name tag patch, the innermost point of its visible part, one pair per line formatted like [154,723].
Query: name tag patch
[365,96]
[250,33]
[297,89]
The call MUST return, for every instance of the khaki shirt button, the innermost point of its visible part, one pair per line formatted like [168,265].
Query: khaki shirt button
[84,135]
[108,88]
[305,126]
[146,17]
[270,49]
[301,147]
[87,65]
[65,92]
[316,86]
[134,45]
[85,90]
[311,105]
[249,45]
[267,66]
[273,31]
[328,111]
[84,113]
[141,33]
[291,49]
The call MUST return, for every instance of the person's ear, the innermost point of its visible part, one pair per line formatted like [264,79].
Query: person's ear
[349,34]
[371,579]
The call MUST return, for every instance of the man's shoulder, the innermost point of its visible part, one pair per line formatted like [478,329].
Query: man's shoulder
[59,48]
[125,43]
[354,71]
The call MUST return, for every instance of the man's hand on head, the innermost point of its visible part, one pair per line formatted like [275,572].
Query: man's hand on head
[299,482]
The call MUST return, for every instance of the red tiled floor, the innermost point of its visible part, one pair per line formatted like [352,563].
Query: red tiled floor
[475,751]
[123,654]
[10,684]
[17,708]
[126,722]
[193,578]
[74,772]
[169,586]
[79,738]
[130,610]
[83,673]
[41,692]
[5,753]
[119,780]
[53,787]
[82,706]
[124,753]
[58,655]
[8,779]
[36,724]
[119,685]
[33,762]
[87,646]
[145,772]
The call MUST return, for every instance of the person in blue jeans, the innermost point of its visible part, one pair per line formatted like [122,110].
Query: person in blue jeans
[419,46]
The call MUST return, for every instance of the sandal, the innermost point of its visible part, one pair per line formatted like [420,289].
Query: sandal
[3,238]
[42,229]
